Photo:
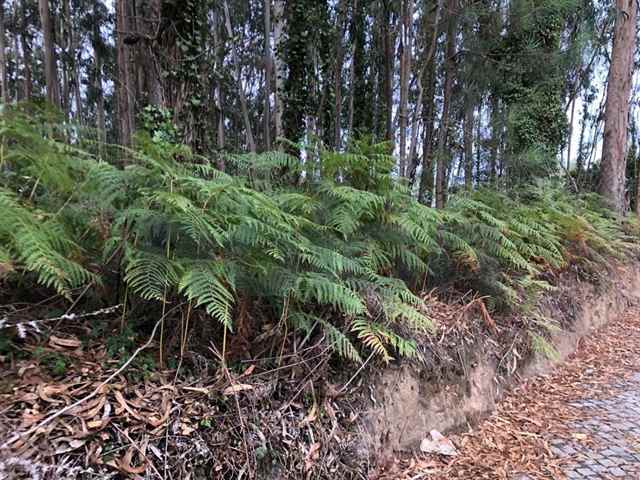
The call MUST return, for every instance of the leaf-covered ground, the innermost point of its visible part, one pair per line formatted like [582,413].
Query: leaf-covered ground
[563,425]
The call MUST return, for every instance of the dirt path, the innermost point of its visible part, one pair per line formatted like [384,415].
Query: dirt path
[580,422]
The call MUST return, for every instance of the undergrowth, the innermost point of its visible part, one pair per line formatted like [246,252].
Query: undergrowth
[333,244]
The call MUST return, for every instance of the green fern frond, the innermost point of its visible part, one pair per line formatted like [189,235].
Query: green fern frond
[210,286]
[152,276]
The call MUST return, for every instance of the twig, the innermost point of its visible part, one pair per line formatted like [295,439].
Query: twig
[97,390]
[133,444]
[346,385]
[66,316]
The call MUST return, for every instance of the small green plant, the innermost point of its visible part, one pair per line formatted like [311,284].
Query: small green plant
[121,344]
[55,362]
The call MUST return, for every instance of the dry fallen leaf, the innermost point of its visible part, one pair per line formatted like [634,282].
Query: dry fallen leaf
[238,387]
[58,342]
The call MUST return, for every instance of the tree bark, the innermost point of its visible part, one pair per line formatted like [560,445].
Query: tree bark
[616,120]
[468,145]
[279,38]
[243,100]
[26,54]
[425,190]
[405,73]
[337,75]
[496,133]
[124,81]
[3,58]
[388,42]
[97,79]
[268,58]
[443,131]
[50,68]
[428,65]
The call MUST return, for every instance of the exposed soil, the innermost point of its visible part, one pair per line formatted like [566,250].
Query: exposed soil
[529,435]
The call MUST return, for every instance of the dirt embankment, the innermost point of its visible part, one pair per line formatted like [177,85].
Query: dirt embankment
[406,402]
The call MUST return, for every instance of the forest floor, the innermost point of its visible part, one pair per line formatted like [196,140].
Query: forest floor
[582,421]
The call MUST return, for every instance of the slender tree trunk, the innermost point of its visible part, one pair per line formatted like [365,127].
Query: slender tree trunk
[571,119]
[18,95]
[268,74]
[337,75]
[97,81]
[405,73]
[469,125]
[388,42]
[124,81]
[100,116]
[443,133]
[616,123]
[428,65]
[496,133]
[425,190]
[352,84]
[66,62]
[26,54]
[279,38]
[3,58]
[243,99]
[50,68]
[637,184]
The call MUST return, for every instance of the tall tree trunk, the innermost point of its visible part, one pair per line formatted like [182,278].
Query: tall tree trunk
[279,38]
[18,95]
[443,131]
[3,58]
[268,74]
[496,133]
[124,81]
[425,190]
[428,65]
[50,67]
[64,41]
[616,119]
[26,54]
[243,99]
[388,42]
[405,73]
[352,91]
[570,140]
[337,75]
[468,144]
[637,165]
[97,80]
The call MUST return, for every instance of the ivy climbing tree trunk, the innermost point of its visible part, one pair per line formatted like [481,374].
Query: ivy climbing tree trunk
[278,37]
[616,117]
[268,73]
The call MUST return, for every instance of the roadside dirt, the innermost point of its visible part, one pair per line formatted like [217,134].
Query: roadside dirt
[551,426]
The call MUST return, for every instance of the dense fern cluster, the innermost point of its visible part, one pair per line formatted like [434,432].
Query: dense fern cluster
[333,243]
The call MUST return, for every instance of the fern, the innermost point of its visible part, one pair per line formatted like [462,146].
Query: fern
[210,286]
